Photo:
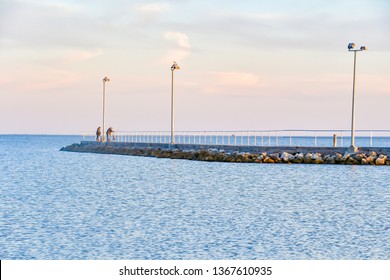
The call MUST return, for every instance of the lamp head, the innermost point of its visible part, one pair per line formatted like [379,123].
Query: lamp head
[351,46]
[175,66]
[363,48]
[106,79]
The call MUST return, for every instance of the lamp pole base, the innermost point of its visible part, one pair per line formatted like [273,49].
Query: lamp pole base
[352,149]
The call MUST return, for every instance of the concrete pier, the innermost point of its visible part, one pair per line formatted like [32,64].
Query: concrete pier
[226,153]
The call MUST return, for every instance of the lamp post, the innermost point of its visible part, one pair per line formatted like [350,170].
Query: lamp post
[105,79]
[351,47]
[173,68]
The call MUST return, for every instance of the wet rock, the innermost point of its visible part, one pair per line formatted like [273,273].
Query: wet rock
[307,158]
[267,159]
[246,157]
[373,154]
[345,157]
[359,156]
[286,157]
[214,154]
[371,158]
[298,158]
[213,151]
[338,157]
[351,160]
[381,160]
[331,159]
[259,158]
[317,158]
[274,156]
[230,158]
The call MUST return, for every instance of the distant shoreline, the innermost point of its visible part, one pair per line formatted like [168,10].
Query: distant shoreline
[245,154]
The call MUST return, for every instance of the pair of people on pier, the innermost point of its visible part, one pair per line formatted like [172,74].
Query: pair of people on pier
[109,135]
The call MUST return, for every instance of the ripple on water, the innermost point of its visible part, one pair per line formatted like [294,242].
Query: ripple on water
[86,206]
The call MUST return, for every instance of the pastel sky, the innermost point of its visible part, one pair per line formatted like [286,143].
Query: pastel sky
[250,64]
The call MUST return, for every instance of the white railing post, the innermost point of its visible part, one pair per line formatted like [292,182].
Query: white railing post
[276,138]
[262,139]
[370,138]
[269,139]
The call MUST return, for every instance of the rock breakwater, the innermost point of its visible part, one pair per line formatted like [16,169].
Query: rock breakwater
[220,155]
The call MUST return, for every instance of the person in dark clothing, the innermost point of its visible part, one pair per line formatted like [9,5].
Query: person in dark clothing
[99,134]
[110,134]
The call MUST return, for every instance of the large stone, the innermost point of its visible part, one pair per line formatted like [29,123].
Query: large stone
[246,157]
[371,159]
[331,160]
[345,157]
[352,161]
[381,160]
[298,158]
[307,158]
[259,158]
[286,157]
[338,157]
[317,158]
[274,156]
[373,154]
[360,156]
[268,160]
[213,151]
[230,158]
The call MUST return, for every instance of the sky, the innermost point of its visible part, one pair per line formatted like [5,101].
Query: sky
[245,65]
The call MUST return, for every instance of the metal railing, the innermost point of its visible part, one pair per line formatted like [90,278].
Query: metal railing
[311,138]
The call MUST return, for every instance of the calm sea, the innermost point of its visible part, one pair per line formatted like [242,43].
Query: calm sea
[59,205]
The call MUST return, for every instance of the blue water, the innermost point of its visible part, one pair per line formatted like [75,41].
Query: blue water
[60,205]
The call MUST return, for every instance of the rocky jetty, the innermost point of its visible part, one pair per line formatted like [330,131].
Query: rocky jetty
[220,155]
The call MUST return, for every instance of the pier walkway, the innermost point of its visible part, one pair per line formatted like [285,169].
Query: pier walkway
[273,146]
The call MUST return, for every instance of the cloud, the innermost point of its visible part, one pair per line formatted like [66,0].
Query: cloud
[241,79]
[43,79]
[233,83]
[28,24]
[83,55]
[154,8]
[179,46]
[62,8]
[150,12]
[177,39]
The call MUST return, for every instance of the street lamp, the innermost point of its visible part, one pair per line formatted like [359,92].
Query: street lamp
[105,79]
[351,48]
[173,68]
